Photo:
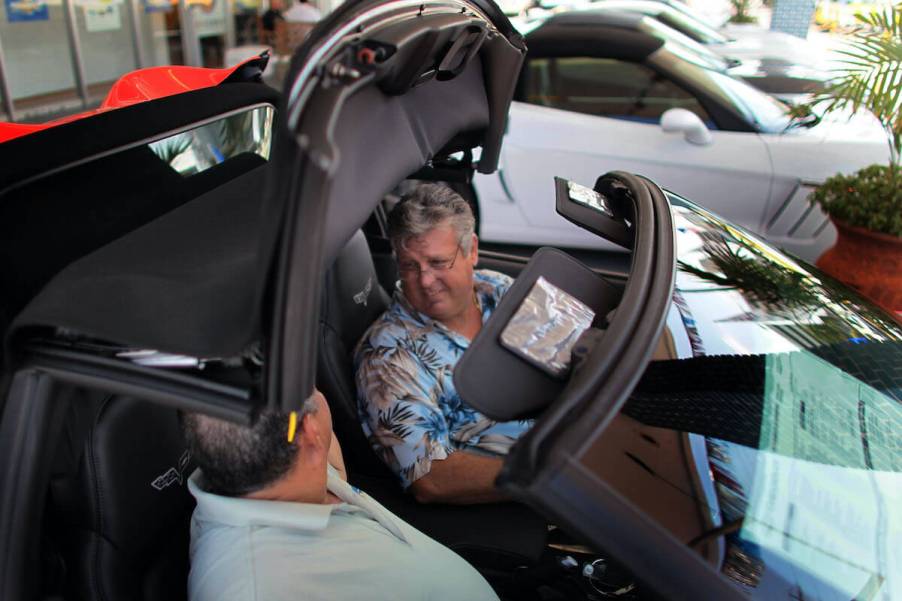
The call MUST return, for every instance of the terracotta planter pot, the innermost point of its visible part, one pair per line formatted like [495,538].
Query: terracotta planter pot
[869,262]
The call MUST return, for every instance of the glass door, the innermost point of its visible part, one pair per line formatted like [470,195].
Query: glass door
[40,73]
[109,47]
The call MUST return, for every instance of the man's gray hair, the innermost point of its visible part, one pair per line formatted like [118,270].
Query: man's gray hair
[427,207]
[236,459]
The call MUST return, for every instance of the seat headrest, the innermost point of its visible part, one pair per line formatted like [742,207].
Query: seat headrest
[355,298]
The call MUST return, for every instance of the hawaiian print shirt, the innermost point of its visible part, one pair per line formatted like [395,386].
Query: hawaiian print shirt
[408,406]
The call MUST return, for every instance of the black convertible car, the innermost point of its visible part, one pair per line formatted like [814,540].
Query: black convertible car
[727,427]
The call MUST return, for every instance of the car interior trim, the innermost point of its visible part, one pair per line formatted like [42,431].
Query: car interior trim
[337,123]
[27,425]
[320,49]
[165,386]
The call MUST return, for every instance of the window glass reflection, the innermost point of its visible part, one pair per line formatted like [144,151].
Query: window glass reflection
[203,147]
[769,440]
[606,87]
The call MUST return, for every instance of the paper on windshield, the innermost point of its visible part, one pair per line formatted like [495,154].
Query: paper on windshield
[545,327]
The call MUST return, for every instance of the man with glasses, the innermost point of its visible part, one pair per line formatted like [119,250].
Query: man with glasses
[442,449]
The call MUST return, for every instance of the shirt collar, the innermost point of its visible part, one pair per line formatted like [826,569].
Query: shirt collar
[237,511]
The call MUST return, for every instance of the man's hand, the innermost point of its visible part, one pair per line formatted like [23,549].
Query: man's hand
[463,478]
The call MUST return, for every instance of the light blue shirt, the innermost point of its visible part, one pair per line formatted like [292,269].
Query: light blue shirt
[248,549]
[408,406]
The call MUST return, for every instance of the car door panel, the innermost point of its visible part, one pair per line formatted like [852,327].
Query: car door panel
[795,224]
[803,159]
[731,176]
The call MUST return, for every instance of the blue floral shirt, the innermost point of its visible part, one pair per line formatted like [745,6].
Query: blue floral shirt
[408,406]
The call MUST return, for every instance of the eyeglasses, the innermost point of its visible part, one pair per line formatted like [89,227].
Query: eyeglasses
[412,269]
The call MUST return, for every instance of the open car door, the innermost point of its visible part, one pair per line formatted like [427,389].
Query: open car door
[580,381]
[376,92]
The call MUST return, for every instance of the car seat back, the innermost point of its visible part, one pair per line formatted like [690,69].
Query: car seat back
[353,300]
[122,503]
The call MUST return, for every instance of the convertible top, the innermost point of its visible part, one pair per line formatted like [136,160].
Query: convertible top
[43,152]
[191,281]
[588,32]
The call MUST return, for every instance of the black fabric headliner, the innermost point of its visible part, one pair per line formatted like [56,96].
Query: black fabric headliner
[187,282]
[47,223]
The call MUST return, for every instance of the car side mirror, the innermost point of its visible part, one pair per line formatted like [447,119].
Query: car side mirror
[693,128]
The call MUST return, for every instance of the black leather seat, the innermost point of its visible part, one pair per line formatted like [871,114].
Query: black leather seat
[353,300]
[120,501]
[503,534]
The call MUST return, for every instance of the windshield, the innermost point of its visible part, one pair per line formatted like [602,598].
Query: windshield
[764,112]
[767,434]
[768,113]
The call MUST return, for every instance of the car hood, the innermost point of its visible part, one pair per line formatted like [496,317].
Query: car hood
[738,295]
[839,143]
[777,76]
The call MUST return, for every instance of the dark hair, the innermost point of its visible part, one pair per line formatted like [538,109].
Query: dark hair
[427,207]
[236,459]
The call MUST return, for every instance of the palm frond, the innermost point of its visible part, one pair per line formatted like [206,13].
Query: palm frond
[870,74]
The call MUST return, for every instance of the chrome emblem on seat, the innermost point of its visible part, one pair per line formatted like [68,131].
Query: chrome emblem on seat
[361,297]
[173,474]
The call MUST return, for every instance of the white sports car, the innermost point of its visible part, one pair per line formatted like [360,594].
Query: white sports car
[601,92]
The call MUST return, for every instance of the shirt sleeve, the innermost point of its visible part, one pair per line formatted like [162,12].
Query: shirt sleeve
[398,400]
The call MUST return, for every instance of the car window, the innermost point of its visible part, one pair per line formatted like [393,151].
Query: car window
[605,87]
[203,147]
[768,113]
[761,111]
